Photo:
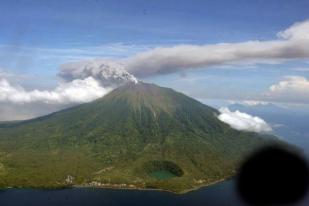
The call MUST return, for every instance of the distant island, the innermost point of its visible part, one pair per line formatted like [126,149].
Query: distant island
[138,136]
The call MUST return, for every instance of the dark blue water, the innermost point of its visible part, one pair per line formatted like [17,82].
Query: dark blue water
[220,194]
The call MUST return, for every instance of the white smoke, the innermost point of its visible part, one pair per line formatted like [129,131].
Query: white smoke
[243,121]
[292,43]
[108,73]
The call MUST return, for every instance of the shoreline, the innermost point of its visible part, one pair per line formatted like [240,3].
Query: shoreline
[123,188]
[154,189]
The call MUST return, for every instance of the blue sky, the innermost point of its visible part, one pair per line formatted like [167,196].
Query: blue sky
[37,37]
[91,23]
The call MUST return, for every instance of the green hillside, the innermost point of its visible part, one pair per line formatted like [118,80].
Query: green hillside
[139,135]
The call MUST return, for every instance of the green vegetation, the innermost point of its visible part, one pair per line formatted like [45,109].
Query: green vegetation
[137,136]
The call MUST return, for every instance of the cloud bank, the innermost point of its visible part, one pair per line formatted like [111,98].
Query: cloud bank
[76,91]
[242,121]
[290,89]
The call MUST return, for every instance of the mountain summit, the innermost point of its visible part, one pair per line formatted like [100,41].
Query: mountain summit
[139,136]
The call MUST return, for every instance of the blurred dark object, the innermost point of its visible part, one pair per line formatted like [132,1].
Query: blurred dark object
[273,176]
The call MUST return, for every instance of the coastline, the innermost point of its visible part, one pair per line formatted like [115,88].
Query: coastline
[154,189]
[119,187]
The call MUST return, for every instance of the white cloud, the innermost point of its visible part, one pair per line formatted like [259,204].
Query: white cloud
[296,32]
[290,89]
[242,121]
[250,102]
[76,91]
[83,82]
[292,43]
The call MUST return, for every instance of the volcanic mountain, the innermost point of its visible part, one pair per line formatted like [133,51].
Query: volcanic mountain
[137,136]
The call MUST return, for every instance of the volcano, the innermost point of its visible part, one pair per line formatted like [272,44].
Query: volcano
[138,136]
